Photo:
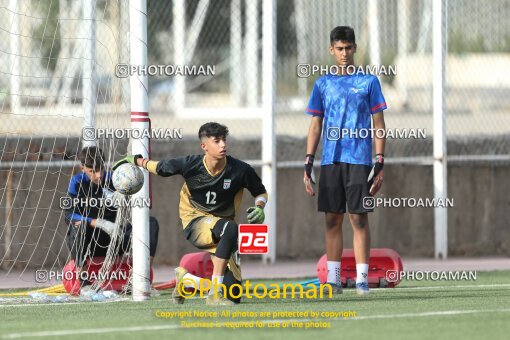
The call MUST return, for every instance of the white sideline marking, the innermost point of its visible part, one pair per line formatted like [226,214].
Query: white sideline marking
[437,313]
[88,331]
[496,285]
[162,327]
[46,304]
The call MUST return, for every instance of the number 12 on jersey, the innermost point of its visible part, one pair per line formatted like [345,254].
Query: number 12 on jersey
[210,197]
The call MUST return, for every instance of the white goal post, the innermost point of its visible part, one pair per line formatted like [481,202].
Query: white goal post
[140,120]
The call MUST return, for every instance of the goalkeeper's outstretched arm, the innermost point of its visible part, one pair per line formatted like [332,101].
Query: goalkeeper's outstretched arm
[165,168]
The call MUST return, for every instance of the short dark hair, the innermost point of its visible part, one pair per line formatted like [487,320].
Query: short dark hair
[92,157]
[342,33]
[212,129]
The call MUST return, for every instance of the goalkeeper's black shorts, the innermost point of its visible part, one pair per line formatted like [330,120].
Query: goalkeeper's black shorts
[342,184]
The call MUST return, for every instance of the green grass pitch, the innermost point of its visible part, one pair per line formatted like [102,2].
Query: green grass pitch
[414,310]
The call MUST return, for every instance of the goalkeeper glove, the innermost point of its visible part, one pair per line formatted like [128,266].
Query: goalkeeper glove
[375,176]
[131,159]
[256,215]
[106,226]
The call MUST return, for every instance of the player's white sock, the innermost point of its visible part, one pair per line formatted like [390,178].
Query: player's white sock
[361,272]
[188,277]
[215,282]
[334,272]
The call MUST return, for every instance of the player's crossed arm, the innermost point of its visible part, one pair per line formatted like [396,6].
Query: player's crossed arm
[76,218]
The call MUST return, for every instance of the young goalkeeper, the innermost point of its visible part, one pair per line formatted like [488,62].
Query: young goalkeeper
[209,202]
[90,226]
[346,102]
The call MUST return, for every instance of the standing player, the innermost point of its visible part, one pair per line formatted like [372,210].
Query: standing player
[209,201]
[345,102]
[91,226]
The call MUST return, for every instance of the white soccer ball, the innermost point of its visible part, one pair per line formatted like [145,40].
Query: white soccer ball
[127,179]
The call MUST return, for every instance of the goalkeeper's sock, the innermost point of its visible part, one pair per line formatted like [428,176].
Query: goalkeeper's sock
[361,272]
[334,272]
[216,281]
[189,276]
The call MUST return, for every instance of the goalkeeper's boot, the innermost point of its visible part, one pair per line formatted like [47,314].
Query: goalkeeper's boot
[179,275]
[218,300]
[335,289]
[362,288]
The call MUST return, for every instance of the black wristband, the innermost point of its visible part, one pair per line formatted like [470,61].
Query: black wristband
[379,158]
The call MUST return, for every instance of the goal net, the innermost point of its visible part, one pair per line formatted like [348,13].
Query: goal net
[58,78]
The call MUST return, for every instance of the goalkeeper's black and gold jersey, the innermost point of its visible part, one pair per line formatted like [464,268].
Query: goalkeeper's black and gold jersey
[204,194]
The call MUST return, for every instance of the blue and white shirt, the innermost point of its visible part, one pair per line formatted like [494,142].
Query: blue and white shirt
[347,102]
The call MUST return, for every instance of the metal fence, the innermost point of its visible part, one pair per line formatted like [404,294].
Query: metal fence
[41,66]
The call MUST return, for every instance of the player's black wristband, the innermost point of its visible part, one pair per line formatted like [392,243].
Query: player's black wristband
[309,164]
[379,164]
[377,168]
[309,158]
[309,167]
[379,158]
